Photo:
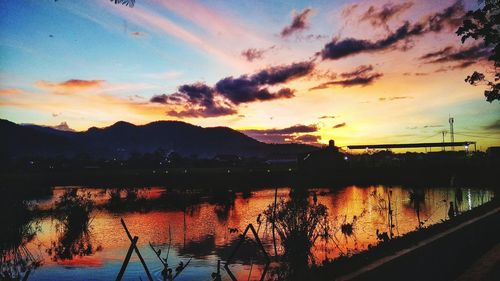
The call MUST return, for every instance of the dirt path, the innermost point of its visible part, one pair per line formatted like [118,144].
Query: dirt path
[487,268]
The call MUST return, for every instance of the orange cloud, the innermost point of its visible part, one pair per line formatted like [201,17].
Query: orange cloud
[10,91]
[72,85]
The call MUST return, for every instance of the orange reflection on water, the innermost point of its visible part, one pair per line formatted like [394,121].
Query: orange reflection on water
[201,230]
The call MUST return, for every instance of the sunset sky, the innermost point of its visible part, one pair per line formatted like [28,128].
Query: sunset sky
[301,71]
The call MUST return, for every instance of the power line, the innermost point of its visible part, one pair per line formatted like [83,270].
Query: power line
[428,137]
[476,136]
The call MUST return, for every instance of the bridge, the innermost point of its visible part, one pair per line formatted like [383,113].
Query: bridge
[464,144]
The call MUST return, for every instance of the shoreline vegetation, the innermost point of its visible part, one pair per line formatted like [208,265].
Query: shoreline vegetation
[444,259]
[23,179]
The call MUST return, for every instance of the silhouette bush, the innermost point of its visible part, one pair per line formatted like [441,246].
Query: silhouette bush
[74,210]
[299,224]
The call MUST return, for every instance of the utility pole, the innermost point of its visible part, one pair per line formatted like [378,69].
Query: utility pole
[444,133]
[452,135]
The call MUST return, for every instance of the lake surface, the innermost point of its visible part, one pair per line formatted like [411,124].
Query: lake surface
[199,225]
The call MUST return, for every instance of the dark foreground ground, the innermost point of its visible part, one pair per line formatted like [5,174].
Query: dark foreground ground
[486,268]
[446,251]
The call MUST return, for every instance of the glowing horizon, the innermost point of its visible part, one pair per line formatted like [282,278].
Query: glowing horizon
[279,67]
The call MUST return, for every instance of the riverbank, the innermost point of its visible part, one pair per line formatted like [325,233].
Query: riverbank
[231,177]
[438,252]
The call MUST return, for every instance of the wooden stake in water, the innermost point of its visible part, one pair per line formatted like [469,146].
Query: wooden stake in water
[150,278]
[274,219]
[127,259]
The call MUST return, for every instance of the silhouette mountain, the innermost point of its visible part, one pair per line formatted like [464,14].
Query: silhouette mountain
[123,139]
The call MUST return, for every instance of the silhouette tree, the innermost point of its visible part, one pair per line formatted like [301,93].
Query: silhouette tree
[483,23]
[129,3]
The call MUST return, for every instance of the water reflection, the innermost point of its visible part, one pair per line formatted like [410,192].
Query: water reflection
[205,227]
[71,244]
[73,212]
[19,228]
[299,223]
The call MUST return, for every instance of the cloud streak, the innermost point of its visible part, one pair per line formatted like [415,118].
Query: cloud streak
[297,133]
[361,76]
[307,139]
[299,22]
[359,71]
[381,16]
[464,56]
[159,24]
[10,91]
[255,54]
[448,18]
[72,85]
[494,126]
[340,125]
[394,98]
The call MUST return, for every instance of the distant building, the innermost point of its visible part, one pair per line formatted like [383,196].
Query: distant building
[493,154]
[325,159]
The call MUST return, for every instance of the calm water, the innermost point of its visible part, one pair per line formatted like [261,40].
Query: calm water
[199,228]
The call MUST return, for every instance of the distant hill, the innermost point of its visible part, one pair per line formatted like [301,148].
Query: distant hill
[123,139]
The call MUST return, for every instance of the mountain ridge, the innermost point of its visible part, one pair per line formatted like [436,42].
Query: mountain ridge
[122,139]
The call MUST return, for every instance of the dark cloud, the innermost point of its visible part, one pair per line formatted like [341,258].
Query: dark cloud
[337,49]
[493,126]
[416,73]
[424,127]
[359,71]
[466,56]
[318,74]
[421,73]
[308,139]
[286,131]
[431,55]
[137,34]
[394,98]
[201,100]
[244,90]
[255,54]
[251,88]
[197,100]
[197,112]
[355,81]
[340,125]
[346,12]
[327,117]
[448,18]
[254,88]
[310,37]
[461,65]
[299,22]
[287,134]
[381,16]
